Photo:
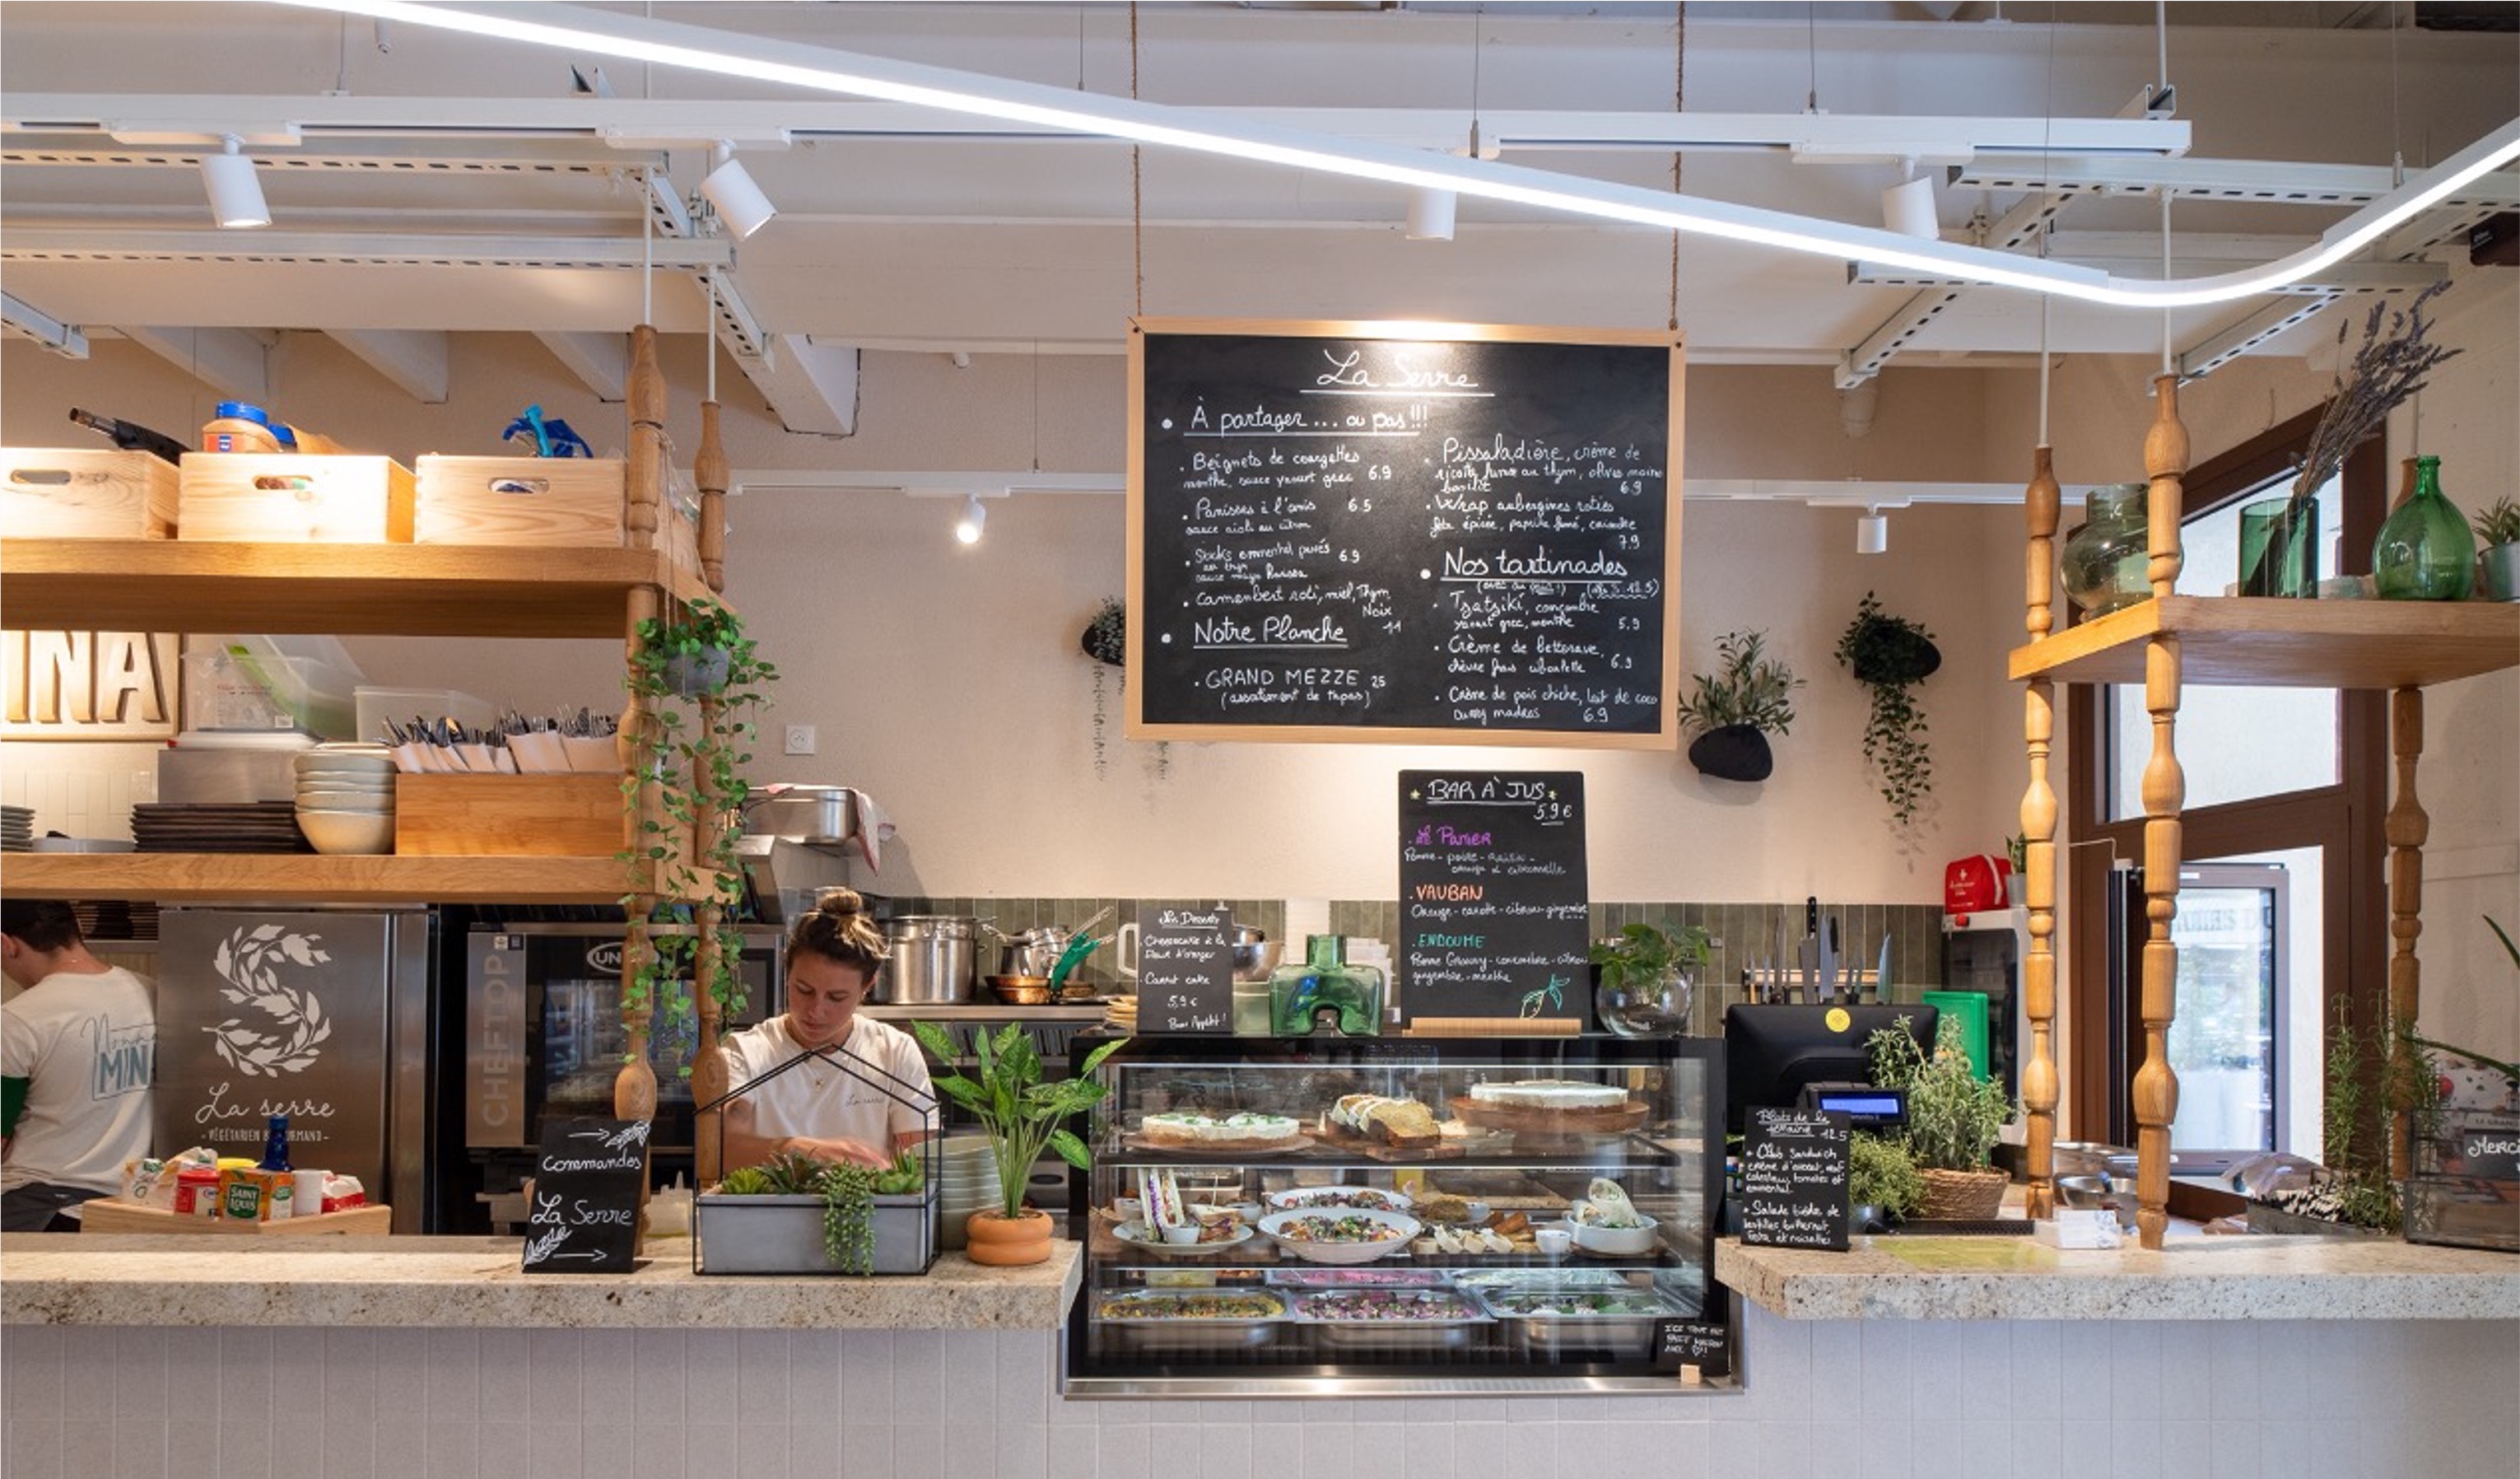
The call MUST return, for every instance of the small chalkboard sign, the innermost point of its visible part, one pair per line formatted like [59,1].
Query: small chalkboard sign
[1494,904]
[1706,1343]
[584,1217]
[1184,970]
[1793,1179]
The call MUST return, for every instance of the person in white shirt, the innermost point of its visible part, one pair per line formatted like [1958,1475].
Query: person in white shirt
[78,1048]
[863,1093]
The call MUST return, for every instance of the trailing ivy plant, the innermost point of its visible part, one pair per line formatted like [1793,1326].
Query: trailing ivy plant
[1890,656]
[697,733]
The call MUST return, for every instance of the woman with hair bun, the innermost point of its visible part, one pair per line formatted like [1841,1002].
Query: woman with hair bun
[819,1108]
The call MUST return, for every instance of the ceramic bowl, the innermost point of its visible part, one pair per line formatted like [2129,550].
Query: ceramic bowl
[345,800]
[1394,1230]
[347,832]
[1618,1242]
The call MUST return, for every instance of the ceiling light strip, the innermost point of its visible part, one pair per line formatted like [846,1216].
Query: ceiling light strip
[820,69]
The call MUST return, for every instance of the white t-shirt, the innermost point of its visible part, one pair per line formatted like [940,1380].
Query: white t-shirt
[826,1102]
[87,1047]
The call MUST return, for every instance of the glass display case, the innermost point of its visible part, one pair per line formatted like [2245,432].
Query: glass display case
[1325,1217]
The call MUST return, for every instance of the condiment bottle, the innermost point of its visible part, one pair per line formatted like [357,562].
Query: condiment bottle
[275,1144]
[236,427]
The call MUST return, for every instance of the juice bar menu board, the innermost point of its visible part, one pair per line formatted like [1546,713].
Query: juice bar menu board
[1339,533]
[1493,896]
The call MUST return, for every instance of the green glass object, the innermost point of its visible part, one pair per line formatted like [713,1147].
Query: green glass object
[2425,552]
[1326,991]
[2107,561]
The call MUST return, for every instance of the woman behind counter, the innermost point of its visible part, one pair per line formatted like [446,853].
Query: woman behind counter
[819,1108]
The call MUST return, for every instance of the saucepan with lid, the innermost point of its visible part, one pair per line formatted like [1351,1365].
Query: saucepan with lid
[930,959]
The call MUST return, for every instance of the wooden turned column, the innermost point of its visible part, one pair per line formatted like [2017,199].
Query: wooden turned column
[634,1089]
[2039,1091]
[2165,793]
[2406,829]
[710,472]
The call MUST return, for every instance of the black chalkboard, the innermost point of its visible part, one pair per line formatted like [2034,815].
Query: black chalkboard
[584,1217]
[1493,897]
[1184,970]
[1793,1179]
[1337,532]
[1706,1343]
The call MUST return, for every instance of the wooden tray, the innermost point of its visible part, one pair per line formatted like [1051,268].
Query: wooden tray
[108,1215]
[1209,1150]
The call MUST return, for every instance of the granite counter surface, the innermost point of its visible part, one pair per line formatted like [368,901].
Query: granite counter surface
[2197,1278]
[457,1283]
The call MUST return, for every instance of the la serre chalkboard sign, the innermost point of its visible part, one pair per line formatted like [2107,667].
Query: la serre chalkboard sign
[584,1211]
[1793,1179]
[1184,970]
[1493,892]
[1349,531]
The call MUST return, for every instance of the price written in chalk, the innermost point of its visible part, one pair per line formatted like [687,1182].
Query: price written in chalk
[1793,1179]
[1184,970]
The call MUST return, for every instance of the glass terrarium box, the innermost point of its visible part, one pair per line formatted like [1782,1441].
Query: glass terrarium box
[1362,1217]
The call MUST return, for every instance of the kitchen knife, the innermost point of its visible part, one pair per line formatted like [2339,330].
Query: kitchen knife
[1827,989]
[1808,978]
[1881,975]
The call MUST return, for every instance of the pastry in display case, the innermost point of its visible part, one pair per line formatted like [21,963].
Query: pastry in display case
[1293,1216]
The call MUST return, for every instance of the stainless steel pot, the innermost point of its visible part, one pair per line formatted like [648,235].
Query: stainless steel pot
[802,813]
[930,959]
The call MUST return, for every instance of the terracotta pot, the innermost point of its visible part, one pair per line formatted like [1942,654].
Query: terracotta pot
[992,1238]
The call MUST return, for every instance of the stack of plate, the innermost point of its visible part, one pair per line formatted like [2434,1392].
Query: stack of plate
[345,798]
[1120,1014]
[260,826]
[967,1182]
[17,828]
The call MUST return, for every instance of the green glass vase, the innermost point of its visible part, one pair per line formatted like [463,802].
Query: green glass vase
[2425,552]
[2107,560]
[1326,993]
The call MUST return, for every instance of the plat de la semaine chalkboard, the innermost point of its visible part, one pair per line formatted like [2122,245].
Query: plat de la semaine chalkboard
[1354,532]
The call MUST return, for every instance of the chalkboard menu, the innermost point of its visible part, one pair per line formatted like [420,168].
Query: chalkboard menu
[1793,1179]
[1184,970]
[584,1217]
[1341,531]
[1493,899]
[1706,1343]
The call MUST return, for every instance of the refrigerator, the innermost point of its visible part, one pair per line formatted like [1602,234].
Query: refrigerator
[2227,1038]
[321,1015]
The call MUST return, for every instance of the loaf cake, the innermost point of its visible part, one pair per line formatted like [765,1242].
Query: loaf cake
[1376,1116]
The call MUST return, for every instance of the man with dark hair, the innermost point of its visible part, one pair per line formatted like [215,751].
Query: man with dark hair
[78,1046]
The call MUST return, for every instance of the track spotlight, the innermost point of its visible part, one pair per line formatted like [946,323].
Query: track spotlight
[1908,207]
[975,517]
[1430,214]
[1871,533]
[236,196]
[739,200]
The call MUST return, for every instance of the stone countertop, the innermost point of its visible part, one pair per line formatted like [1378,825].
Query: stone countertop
[468,1283]
[2197,1278]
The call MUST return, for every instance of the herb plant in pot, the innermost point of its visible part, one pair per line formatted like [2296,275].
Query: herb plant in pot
[2497,556]
[1953,1120]
[799,1213]
[1021,1116]
[1646,978]
[1736,706]
[1883,1183]
[1889,656]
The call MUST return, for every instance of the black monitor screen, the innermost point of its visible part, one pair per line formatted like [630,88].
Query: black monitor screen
[1773,1053]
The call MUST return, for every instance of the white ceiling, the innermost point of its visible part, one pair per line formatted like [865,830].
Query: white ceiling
[438,183]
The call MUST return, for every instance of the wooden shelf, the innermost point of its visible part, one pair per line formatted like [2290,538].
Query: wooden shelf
[206,877]
[2260,643]
[340,590]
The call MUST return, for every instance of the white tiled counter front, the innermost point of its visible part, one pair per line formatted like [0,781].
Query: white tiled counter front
[2196,1277]
[476,1283]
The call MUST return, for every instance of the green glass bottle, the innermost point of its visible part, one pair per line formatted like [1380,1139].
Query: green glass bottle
[1326,990]
[2425,552]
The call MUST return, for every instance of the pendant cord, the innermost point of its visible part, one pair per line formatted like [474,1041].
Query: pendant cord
[711,331]
[648,253]
[1678,105]
[1137,181]
[2047,218]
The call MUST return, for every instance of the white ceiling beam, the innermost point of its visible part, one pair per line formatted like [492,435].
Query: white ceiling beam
[2230,343]
[27,322]
[600,361]
[413,359]
[235,362]
[363,248]
[2343,277]
[812,388]
[2284,182]
[2020,226]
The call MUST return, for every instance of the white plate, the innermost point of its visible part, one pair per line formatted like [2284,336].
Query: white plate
[1139,1236]
[1375,1198]
[1400,1226]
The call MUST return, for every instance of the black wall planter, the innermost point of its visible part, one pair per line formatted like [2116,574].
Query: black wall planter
[1735,752]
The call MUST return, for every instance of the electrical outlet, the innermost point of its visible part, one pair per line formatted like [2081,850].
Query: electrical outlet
[800,739]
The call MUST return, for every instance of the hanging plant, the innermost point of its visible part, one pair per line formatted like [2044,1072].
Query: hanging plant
[1736,706]
[1891,655]
[1107,642]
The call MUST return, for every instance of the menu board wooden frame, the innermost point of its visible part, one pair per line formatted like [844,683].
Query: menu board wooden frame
[1666,733]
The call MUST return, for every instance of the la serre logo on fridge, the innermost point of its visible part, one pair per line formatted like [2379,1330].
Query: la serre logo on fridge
[286,1033]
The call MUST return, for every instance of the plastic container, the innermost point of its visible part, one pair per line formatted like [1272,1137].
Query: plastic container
[236,427]
[377,704]
[225,689]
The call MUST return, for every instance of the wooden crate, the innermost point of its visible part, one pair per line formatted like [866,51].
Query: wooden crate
[293,498]
[79,493]
[568,815]
[519,500]
[108,1215]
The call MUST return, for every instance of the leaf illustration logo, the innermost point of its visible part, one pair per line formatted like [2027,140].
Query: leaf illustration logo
[250,962]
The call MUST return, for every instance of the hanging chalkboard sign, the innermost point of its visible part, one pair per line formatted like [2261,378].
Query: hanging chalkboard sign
[1493,897]
[1184,970]
[584,1212]
[1468,534]
[1706,1343]
[1793,1179]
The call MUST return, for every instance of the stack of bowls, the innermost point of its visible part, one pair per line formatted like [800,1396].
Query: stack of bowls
[967,1182]
[345,798]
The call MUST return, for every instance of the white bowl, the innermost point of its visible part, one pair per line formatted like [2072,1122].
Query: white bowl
[1619,1242]
[1397,1230]
[329,776]
[357,761]
[345,800]
[367,833]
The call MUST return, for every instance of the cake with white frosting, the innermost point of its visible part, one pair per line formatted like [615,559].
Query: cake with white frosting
[1195,1129]
[1548,1093]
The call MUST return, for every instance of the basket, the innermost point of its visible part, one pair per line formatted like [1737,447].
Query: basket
[1962,1195]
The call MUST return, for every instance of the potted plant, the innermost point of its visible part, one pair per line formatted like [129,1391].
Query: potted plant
[799,1214]
[1736,706]
[1643,984]
[1021,1115]
[1883,1183]
[1953,1119]
[1891,655]
[2497,556]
